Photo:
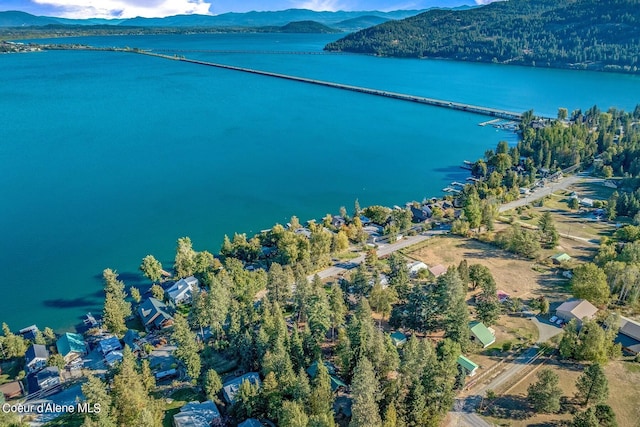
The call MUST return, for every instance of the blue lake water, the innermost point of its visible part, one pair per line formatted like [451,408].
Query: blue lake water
[106,157]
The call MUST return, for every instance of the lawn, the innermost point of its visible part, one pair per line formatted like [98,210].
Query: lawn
[178,399]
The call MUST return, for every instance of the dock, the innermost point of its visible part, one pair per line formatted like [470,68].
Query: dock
[489,122]
[466,165]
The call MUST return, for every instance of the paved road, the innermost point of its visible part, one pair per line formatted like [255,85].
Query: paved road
[539,193]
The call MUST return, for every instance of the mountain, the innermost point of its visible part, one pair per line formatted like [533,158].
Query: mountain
[13,18]
[355,24]
[584,34]
[307,27]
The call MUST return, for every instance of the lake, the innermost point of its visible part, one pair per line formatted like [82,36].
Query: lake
[106,157]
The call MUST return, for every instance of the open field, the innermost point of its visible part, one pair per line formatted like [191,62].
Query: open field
[624,394]
[512,274]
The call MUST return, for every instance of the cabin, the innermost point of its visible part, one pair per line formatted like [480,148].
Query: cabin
[576,309]
[35,358]
[197,414]
[154,314]
[336,383]
[467,365]
[29,333]
[481,334]
[182,291]
[230,388]
[71,346]
[560,258]
[398,338]
[438,270]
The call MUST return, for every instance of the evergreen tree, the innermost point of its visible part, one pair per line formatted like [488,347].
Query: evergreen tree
[278,289]
[152,268]
[321,399]
[365,390]
[605,415]
[590,282]
[548,233]
[293,415]
[212,384]
[337,307]
[586,419]
[544,395]
[96,395]
[185,261]
[593,385]
[187,347]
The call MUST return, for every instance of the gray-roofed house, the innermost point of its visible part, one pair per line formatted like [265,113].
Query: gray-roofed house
[182,291]
[154,315]
[438,270]
[113,357]
[415,267]
[230,388]
[29,333]
[109,344]
[36,358]
[421,213]
[576,309]
[629,335]
[196,414]
[46,378]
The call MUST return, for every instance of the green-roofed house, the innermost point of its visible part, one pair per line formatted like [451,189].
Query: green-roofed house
[398,338]
[466,364]
[336,382]
[481,334]
[560,258]
[71,346]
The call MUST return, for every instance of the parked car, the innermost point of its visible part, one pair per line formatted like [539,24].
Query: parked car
[559,322]
[553,319]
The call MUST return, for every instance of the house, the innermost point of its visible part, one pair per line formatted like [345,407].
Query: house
[438,270]
[421,214]
[585,201]
[71,346]
[469,367]
[182,291]
[35,358]
[336,382]
[415,267]
[46,378]
[113,357]
[29,333]
[503,296]
[481,334]
[12,390]
[398,338]
[560,258]
[166,375]
[154,315]
[337,221]
[109,344]
[251,422]
[230,388]
[196,414]
[130,338]
[576,309]
[629,335]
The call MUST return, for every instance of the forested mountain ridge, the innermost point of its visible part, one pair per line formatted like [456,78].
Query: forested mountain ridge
[583,34]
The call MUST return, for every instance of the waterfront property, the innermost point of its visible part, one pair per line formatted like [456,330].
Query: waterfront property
[109,344]
[71,346]
[182,291]
[46,378]
[154,314]
[35,358]
[231,388]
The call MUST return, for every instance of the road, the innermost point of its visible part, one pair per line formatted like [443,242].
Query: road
[539,193]
[383,250]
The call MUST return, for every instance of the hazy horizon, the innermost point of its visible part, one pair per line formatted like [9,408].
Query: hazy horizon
[123,9]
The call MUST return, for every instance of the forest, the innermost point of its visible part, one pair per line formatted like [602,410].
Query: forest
[579,34]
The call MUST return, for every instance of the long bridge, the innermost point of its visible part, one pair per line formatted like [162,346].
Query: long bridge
[469,108]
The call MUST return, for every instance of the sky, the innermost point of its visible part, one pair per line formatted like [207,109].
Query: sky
[81,9]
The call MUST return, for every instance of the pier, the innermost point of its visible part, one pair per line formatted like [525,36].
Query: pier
[485,111]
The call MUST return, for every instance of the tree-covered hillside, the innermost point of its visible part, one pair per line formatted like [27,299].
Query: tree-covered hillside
[585,34]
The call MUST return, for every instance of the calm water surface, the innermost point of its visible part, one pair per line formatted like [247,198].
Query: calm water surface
[106,157]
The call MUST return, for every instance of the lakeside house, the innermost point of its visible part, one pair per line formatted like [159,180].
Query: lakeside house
[109,344]
[629,335]
[71,346]
[46,378]
[154,314]
[577,309]
[467,365]
[196,414]
[182,291]
[421,214]
[12,390]
[231,388]
[251,422]
[29,333]
[480,333]
[35,358]
[131,338]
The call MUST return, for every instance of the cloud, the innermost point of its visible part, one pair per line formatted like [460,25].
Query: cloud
[80,9]
[331,5]
[486,1]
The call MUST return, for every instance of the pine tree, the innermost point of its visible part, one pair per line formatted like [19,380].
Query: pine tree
[365,390]
[545,394]
[187,347]
[152,268]
[116,307]
[321,400]
[593,385]
[96,395]
[293,415]
[212,384]
[586,419]
[185,261]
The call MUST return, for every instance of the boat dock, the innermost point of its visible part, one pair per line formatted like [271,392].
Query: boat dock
[489,122]
[466,165]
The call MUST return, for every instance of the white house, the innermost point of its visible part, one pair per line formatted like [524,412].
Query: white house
[415,267]
[182,291]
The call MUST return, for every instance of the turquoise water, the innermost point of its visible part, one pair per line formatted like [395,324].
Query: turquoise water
[106,157]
